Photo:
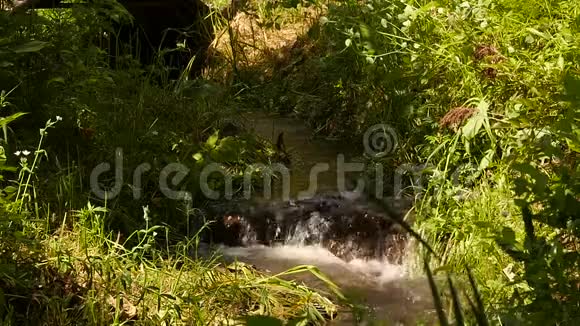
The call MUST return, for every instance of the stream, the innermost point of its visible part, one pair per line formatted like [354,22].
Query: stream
[367,266]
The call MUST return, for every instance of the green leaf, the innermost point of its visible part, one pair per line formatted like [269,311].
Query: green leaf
[5,121]
[473,126]
[10,189]
[530,39]
[486,160]
[508,236]
[538,33]
[8,168]
[31,46]
[212,140]
[561,62]
[198,156]
[228,150]
[56,80]
[572,86]
[574,145]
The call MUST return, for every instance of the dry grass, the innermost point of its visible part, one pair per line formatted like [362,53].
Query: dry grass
[248,43]
[144,285]
[456,117]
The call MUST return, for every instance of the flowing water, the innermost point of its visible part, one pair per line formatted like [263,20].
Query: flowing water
[305,152]
[381,282]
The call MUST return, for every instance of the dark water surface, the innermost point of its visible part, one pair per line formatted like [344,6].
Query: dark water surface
[306,151]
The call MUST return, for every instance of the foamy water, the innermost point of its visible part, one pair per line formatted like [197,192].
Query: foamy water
[386,288]
[276,259]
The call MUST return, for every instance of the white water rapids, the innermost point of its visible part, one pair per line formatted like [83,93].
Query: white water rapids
[392,294]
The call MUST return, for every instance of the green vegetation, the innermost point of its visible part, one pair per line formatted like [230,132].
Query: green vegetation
[484,97]
[69,258]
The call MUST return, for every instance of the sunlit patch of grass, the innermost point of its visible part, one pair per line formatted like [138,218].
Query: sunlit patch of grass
[259,37]
[100,281]
[465,231]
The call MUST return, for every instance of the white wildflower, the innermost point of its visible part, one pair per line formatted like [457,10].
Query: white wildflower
[17,153]
[146,213]
[25,153]
[58,118]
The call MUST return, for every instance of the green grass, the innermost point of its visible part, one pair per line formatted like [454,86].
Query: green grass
[465,232]
[84,275]
[415,65]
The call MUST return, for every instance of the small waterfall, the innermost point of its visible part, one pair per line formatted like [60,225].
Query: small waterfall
[369,269]
[308,231]
[354,242]
[349,229]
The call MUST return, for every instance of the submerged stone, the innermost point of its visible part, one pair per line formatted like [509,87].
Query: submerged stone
[350,228]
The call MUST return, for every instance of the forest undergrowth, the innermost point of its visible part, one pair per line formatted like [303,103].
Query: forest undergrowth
[69,256]
[483,98]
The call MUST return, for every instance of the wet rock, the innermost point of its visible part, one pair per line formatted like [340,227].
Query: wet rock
[349,228]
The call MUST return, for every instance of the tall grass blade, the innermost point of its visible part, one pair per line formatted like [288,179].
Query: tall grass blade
[436,295]
[457,310]
[479,311]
